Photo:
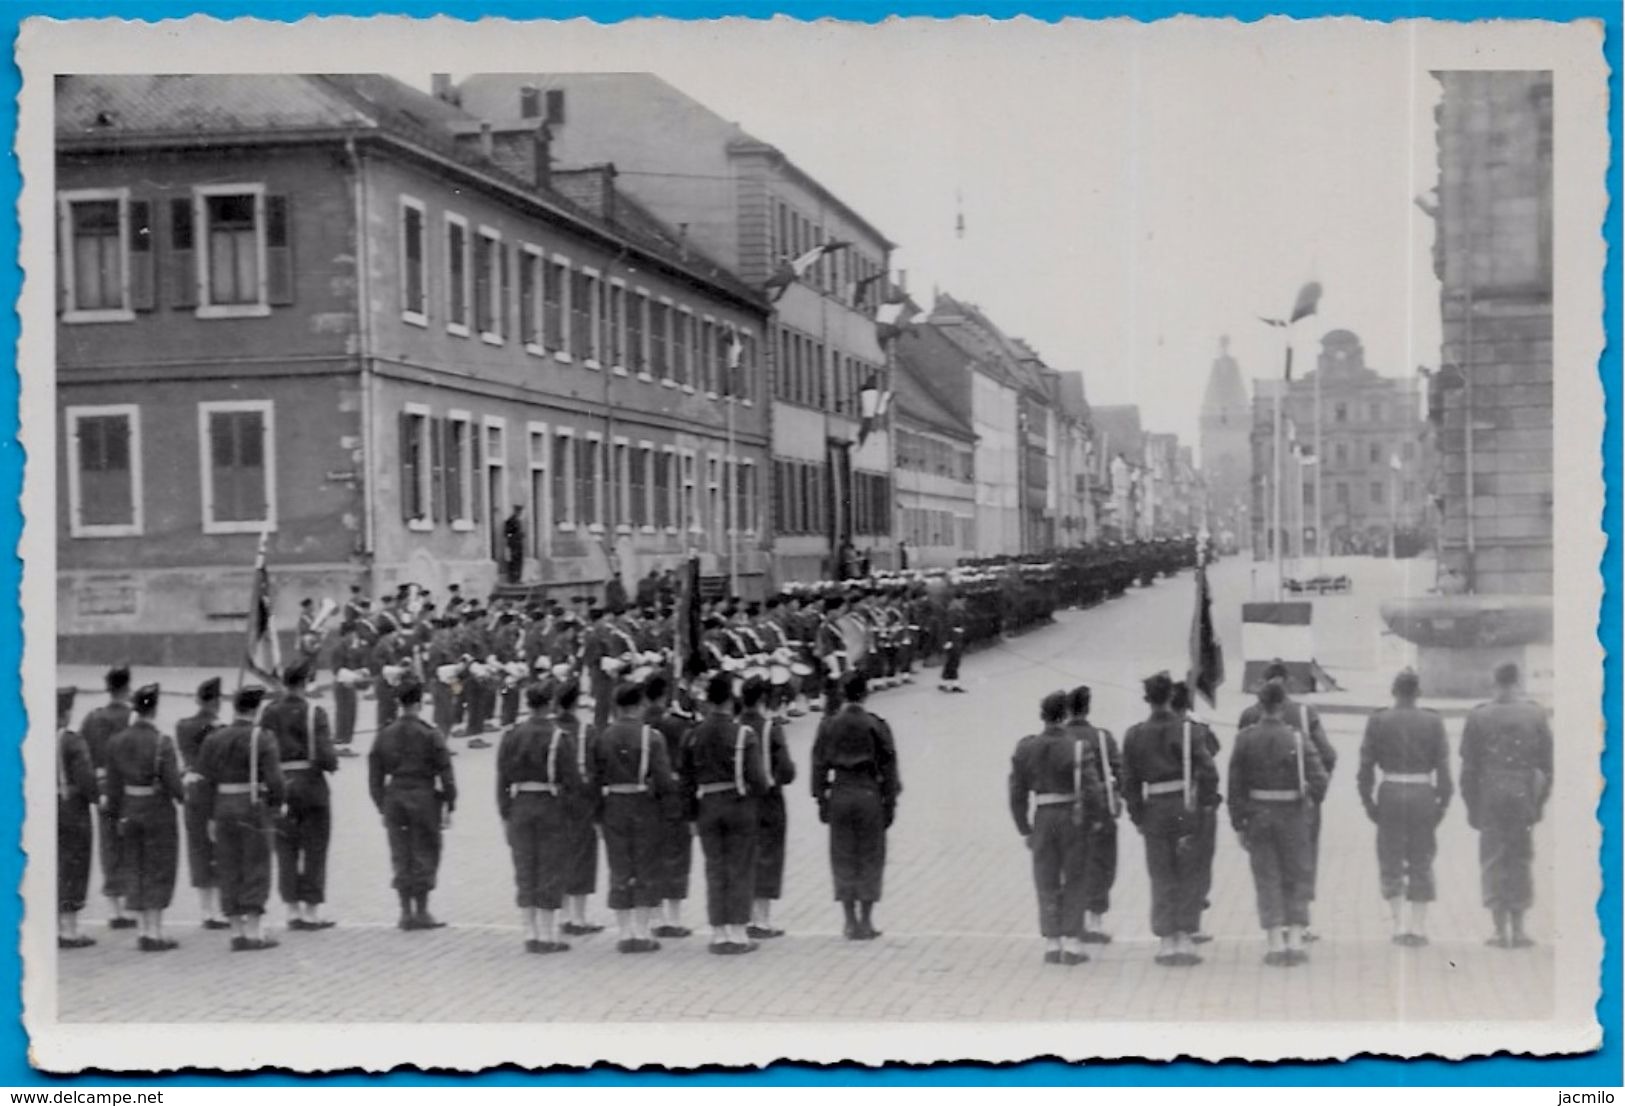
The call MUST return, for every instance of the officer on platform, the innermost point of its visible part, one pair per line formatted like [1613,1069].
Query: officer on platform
[1408,745]
[75,839]
[141,791]
[1506,778]
[98,729]
[305,831]
[241,785]
[190,734]
[412,785]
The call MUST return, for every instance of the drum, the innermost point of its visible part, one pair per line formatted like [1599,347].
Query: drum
[778,675]
[801,669]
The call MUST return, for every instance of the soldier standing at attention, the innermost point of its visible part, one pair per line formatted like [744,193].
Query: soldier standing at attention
[242,785]
[773,821]
[75,839]
[142,787]
[305,831]
[1055,768]
[349,662]
[1506,778]
[388,658]
[1276,778]
[1409,746]
[720,767]
[190,734]
[536,772]
[98,730]
[855,783]
[1207,816]
[414,790]
[1168,777]
[953,645]
[631,771]
[676,835]
[1302,717]
[581,810]
[1100,857]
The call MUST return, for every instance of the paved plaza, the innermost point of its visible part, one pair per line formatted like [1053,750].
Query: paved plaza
[959,915]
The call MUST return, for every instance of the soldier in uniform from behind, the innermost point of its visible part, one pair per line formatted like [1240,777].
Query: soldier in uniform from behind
[415,791]
[1276,778]
[581,814]
[1207,815]
[773,821]
[1506,778]
[242,786]
[1408,745]
[190,734]
[677,835]
[98,729]
[856,784]
[75,839]
[142,789]
[305,831]
[349,666]
[631,772]
[1100,858]
[536,773]
[1054,770]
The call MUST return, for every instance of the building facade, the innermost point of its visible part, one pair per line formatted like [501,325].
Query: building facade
[358,320]
[1226,450]
[935,475]
[741,201]
[1374,463]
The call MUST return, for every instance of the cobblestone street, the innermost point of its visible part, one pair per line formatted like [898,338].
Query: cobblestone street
[959,917]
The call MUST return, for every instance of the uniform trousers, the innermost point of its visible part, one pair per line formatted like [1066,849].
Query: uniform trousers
[632,835]
[345,702]
[1060,848]
[602,692]
[771,827]
[412,816]
[1100,867]
[1279,848]
[389,708]
[510,705]
[303,836]
[857,839]
[538,830]
[477,696]
[1505,813]
[75,841]
[950,658]
[1314,847]
[676,855]
[200,862]
[242,855]
[149,852]
[443,706]
[109,843]
[1207,840]
[1173,859]
[581,847]
[727,826]
[1407,816]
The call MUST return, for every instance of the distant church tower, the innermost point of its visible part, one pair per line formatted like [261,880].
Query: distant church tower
[1227,463]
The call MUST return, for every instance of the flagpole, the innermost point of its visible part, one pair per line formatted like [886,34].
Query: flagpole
[1275,483]
[253,609]
[1320,463]
[733,500]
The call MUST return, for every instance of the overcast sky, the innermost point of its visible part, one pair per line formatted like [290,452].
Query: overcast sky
[1130,192]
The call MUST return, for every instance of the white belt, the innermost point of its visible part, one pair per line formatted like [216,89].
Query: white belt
[1053,798]
[295,765]
[1407,777]
[139,791]
[101,773]
[537,787]
[1274,796]
[625,788]
[717,788]
[234,788]
[1171,787]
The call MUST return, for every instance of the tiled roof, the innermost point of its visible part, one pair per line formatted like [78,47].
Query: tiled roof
[916,400]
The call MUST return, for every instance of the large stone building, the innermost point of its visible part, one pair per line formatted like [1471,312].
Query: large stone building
[1374,467]
[355,318]
[1130,503]
[1226,449]
[936,472]
[741,201]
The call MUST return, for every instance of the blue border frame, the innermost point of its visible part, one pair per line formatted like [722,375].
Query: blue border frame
[1600,1069]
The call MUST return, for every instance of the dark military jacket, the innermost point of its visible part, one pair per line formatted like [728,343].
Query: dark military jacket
[140,756]
[854,742]
[75,774]
[1153,752]
[224,758]
[1506,760]
[1267,757]
[536,751]
[410,752]
[1404,741]
[1059,761]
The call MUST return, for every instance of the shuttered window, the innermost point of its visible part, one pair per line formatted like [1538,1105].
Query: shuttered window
[238,466]
[104,471]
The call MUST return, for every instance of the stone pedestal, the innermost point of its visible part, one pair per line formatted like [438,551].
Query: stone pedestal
[1461,639]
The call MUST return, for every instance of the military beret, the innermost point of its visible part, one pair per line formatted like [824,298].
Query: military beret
[568,691]
[307,601]
[1275,669]
[1271,695]
[1407,684]
[1507,675]
[209,690]
[409,693]
[538,695]
[628,695]
[64,699]
[1158,687]
[296,674]
[247,700]
[595,613]
[656,687]
[146,698]
[118,678]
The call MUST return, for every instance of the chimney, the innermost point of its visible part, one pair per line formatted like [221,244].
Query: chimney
[606,203]
[440,86]
[902,281]
[487,144]
[530,102]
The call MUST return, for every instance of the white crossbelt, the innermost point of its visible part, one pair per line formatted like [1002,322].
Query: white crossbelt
[717,789]
[1274,796]
[625,788]
[140,791]
[1407,777]
[234,788]
[1165,787]
[536,786]
[1053,798]
[295,765]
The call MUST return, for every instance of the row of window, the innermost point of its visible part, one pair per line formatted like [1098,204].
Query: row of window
[1376,411]
[1376,493]
[849,273]
[805,494]
[813,375]
[454,471]
[924,453]
[236,443]
[227,253]
[922,527]
[505,291]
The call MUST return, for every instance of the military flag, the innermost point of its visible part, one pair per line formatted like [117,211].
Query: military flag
[263,653]
[791,271]
[1207,658]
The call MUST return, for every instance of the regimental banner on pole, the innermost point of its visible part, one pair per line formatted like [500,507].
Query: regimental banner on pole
[1278,631]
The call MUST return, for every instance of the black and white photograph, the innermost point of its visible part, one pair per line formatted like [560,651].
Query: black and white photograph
[719,542]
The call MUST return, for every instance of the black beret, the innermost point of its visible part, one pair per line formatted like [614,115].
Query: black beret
[719,689]
[628,695]
[656,687]
[146,698]
[1507,675]
[1158,687]
[248,699]
[118,678]
[64,699]
[538,695]
[297,673]
[1271,695]
[409,693]
[1407,684]
[209,690]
